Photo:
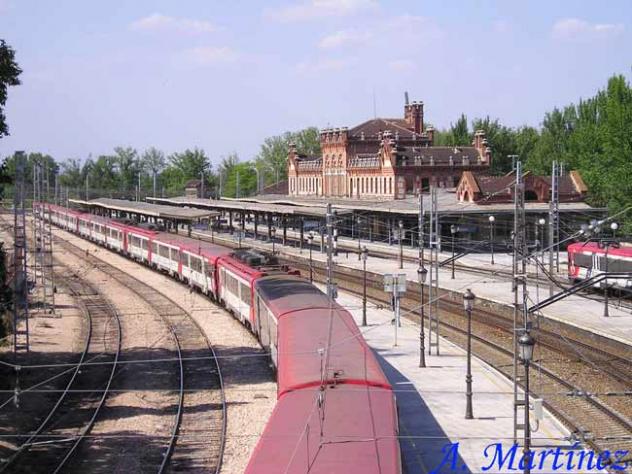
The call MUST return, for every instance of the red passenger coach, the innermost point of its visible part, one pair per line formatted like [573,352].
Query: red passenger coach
[336,411]
[588,259]
[342,430]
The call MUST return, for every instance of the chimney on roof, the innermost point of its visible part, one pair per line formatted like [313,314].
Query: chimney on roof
[481,145]
[414,116]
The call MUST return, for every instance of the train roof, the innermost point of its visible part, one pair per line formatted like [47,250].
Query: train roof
[359,433]
[322,343]
[286,293]
[593,247]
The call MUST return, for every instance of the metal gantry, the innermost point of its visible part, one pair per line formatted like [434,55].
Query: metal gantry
[521,323]
[433,285]
[43,240]
[554,226]
[20,280]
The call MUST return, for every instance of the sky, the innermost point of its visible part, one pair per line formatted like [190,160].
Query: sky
[224,75]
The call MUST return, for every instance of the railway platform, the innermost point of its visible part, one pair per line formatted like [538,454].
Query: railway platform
[584,312]
[432,403]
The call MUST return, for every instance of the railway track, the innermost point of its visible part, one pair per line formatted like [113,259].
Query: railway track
[52,444]
[198,436]
[567,373]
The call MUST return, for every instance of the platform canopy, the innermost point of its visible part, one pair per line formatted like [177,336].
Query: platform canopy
[183,214]
[249,206]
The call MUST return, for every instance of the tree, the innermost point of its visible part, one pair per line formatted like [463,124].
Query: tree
[241,180]
[71,173]
[184,166]
[9,73]
[502,141]
[460,133]
[153,161]
[272,158]
[128,166]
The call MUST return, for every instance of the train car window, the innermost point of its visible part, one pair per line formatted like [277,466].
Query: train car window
[154,247]
[175,255]
[264,324]
[196,264]
[582,260]
[619,265]
[144,242]
[244,293]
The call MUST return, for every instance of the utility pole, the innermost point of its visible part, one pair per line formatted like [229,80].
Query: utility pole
[433,286]
[48,276]
[422,272]
[331,289]
[154,183]
[202,195]
[20,284]
[237,184]
[520,256]
[553,224]
[87,182]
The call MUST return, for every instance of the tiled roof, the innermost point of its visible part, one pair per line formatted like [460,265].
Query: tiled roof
[372,128]
[364,160]
[437,155]
[304,162]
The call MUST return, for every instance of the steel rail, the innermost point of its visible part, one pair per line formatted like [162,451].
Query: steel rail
[151,296]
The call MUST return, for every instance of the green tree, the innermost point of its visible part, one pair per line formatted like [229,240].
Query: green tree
[241,180]
[184,166]
[9,73]
[460,133]
[502,141]
[128,166]
[272,158]
[70,173]
[153,162]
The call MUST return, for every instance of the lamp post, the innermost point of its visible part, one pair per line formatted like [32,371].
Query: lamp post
[539,238]
[310,239]
[272,234]
[453,231]
[401,244]
[614,226]
[421,275]
[492,219]
[358,222]
[468,303]
[365,254]
[525,344]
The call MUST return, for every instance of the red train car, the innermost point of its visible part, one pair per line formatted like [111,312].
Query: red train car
[336,411]
[588,259]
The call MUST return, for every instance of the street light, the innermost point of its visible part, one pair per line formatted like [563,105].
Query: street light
[310,239]
[359,221]
[421,275]
[401,244]
[491,235]
[453,230]
[614,226]
[525,345]
[272,233]
[365,254]
[468,303]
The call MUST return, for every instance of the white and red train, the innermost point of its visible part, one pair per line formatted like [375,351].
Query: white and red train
[335,410]
[586,260]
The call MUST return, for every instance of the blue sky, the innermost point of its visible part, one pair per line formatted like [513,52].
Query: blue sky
[224,75]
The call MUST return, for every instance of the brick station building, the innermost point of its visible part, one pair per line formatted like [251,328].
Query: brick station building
[384,159]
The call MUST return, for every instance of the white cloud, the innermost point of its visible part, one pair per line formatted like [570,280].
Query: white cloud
[575,28]
[164,23]
[210,55]
[314,9]
[402,65]
[342,38]
[323,65]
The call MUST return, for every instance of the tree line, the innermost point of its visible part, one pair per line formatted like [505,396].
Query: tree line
[593,136]
[127,171]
